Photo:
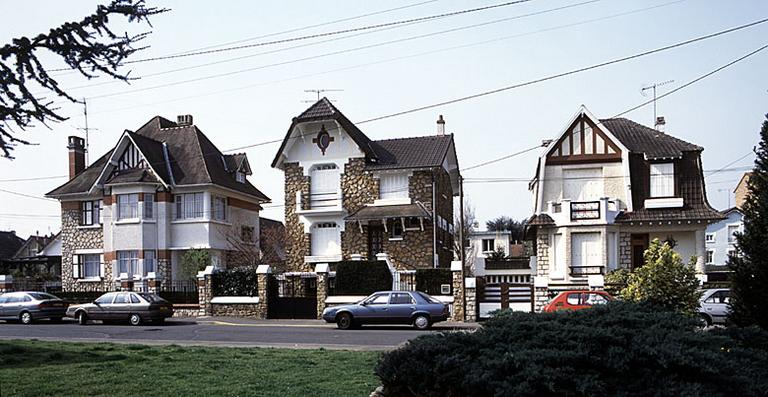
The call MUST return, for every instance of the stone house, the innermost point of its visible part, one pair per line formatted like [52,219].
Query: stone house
[350,197]
[603,190]
[162,190]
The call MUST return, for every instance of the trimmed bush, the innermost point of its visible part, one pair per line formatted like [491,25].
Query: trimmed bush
[362,277]
[238,281]
[430,280]
[619,349]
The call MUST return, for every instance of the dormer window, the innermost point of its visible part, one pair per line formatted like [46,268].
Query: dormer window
[662,180]
[240,176]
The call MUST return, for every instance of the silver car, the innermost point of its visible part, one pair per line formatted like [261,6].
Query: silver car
[134,307]
[389,307]
[28,307]
[715,305]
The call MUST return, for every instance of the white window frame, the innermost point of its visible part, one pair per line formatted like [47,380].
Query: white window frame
[483,245]
[218,208]
[149,206]
[130,260]
[189,205]
[150,262]
[127,206]
[710,237]
[393,186]
[662,180]
[92,260]
[394,233]
[240,176]
[709,257]
[731,237]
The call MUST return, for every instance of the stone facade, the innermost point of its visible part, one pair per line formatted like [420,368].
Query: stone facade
[458,296]
[358,187]
[205,294]
[625,250]
[75,238]
[471,308]
[297,244]
[252,310]
[322,293]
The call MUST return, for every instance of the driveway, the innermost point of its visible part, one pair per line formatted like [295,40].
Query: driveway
[216,331]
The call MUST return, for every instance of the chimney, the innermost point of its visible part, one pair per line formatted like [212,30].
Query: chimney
[76,155]
[184,119]
[440,125]
[660,123]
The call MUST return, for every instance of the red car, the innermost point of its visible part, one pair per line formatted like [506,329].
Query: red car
[577,300]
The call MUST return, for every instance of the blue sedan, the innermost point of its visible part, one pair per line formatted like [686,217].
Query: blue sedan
[389,307]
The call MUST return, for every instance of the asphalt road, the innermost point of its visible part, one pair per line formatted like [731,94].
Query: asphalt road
[227,332]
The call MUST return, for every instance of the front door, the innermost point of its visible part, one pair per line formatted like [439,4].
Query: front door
[375,241]
[639,245]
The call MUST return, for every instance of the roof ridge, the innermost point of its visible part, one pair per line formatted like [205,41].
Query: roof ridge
[414,137]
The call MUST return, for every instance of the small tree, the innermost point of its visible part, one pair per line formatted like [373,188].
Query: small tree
[193,261]
[750,266]
[498,255]
[664,281]
[505,223]
[458,245]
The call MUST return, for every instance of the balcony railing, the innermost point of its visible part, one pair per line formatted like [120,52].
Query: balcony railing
[318,201]
[583,210]
[508,264]
[583,271]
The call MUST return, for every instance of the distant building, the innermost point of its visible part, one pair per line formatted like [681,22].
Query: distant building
[515,267]
[10,243]
[742,189]
[721,242]
[38,257]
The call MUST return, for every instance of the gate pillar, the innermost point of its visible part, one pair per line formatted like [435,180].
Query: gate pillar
[322,287]
[263,273]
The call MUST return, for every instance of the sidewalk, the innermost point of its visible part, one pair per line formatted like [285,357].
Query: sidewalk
[441,326]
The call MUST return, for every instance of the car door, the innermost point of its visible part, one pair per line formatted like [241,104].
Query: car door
[401,306]
[375,308]
[101,307]
[13,306]
[3,300]
[717,306]
[121,307]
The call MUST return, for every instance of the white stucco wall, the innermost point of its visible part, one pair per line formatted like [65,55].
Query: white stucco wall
[307,154]
[555,177]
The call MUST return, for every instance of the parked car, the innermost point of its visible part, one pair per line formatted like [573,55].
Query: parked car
[577,300]
[134,307]
[29,307]
[714,305]
[389,307]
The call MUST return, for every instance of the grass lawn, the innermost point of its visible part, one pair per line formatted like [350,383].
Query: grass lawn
[34,368]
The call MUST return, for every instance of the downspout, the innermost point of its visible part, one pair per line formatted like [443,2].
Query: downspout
[435,259]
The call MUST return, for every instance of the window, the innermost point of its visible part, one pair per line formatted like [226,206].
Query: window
[189,206]
[91,266]
[663,180]
[710,237]
[380,299]
[722,297]
[122,299]
[149,262]
[90,212]
[106,299]
[731,251]
[128,262]
[573,299]
[240,176]
[127,206]
[488,245]
[594,299]
[395,229]
[412,223]
[246,233]
[732,230]
[219,208]
[710,257]
[149,205]
[393,186]
[135,299]
[401,299]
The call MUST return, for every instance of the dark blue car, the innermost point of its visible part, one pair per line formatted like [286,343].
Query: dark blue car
[389,307]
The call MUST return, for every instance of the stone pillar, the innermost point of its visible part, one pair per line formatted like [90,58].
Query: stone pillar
[263,273]
[126,282]
[625,250]
[540,293]
[6,284]
[205,290]
[458,292]
[322,287]
[470,290]
[153,284]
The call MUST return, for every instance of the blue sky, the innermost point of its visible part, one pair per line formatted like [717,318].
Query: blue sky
[722,113]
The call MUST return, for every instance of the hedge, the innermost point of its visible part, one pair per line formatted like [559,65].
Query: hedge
[238,281]
[362,277]
[619,349]
[430,280]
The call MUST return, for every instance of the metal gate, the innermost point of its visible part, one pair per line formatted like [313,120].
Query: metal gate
[292,296]
[518,297]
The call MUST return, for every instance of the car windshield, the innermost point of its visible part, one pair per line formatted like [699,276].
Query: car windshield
[429,298]
[152,298]
[41,296]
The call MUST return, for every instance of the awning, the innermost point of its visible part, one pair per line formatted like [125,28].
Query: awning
[370,212]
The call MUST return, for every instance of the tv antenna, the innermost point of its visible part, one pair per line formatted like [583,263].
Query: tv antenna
[320,91]
[86,129]
[653,87]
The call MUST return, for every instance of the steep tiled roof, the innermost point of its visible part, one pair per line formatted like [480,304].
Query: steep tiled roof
[540,220]
[321,109]
[193,159]
[136,175]
[9,244]
[418,152]
[641,139]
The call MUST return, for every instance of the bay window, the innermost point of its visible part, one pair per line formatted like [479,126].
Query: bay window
[189,206]
[149,205]
[127,206]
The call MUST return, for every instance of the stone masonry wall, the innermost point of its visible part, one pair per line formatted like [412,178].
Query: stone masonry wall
[74,238]
[358,186]
[252,310]
[297,244]
[541,295]
[445,209]
[625,250]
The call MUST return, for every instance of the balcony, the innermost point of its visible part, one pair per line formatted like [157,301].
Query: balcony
[318,203]
[600,211]
[584,271]
[520,264]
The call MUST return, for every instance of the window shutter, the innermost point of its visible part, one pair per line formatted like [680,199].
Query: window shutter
[101,265]
[75,267]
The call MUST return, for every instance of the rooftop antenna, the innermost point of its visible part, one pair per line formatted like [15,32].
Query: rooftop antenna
[320,91]
[653,87]
[86,129]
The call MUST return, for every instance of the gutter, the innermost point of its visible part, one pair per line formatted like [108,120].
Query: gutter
[434,223]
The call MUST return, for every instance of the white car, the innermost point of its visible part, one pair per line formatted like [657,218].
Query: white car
[715,305]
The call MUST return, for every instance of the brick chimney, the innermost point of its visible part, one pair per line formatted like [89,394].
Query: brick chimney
[76,148]
[440,125]
[184,119]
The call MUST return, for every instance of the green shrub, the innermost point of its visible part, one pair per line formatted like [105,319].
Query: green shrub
[238,281]
[616,281]
[362,277]
[430,280]
[619,349]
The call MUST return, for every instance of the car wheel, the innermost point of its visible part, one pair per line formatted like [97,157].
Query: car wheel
[82,318]
[135,319]
[421,322]
[25,318]
[705,320]
[344,321]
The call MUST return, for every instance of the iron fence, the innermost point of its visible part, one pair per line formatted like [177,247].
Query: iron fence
[180,291]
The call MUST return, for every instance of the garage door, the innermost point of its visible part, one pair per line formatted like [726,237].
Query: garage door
[326,239]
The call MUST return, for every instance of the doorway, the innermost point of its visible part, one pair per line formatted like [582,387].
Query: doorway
[375,241]
[639,244]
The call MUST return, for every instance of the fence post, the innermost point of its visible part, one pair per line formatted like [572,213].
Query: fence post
[205,290]
[126,282]
[263,273]
[6,283]
[322,287]
[458,291]
[470,290]
[153,284]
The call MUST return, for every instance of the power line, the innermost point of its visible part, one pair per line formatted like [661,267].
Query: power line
[34,178]
[732,162]
[27,195]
